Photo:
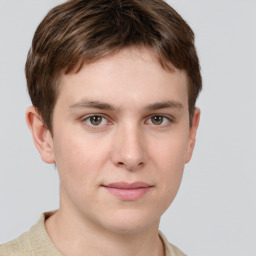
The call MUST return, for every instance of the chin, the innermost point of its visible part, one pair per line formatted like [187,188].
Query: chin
[132,222]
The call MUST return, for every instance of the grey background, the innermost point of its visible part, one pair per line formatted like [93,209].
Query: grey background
[215,210]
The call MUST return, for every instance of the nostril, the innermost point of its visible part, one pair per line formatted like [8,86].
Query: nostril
[130,166]
[120,163]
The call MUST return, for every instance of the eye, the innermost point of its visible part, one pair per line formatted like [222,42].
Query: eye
[95,120]
[158,120]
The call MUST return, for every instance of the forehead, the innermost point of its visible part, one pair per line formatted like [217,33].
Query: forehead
[131,75]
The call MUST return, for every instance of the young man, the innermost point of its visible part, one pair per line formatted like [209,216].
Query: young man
[113,86]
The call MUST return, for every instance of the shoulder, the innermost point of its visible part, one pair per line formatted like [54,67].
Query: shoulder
[35,242]
[170,249]
[18,247]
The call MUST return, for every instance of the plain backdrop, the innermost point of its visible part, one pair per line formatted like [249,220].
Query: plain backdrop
[215,210]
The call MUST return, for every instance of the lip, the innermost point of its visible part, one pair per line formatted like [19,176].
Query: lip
[128,191]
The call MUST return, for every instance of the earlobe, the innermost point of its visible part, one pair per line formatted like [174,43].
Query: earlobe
[192,134]
[41,135]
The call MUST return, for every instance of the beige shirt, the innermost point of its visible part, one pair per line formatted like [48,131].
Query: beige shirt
[36,242]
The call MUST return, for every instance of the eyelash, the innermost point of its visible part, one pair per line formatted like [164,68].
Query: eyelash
[87,119]
[166,120]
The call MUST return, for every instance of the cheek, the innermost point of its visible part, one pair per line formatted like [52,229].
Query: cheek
[170,152]
[72,162]
[169,160]
[169,178]
[79,159]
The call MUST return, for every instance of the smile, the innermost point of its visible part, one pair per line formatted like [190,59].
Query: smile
[128,191]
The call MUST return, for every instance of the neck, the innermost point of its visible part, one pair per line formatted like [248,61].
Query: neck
[72,235]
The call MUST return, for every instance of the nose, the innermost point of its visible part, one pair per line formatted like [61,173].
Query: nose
[129,148]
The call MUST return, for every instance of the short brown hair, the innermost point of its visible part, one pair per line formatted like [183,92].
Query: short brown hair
[83,31]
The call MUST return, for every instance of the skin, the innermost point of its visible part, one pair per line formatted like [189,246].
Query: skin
[142,133]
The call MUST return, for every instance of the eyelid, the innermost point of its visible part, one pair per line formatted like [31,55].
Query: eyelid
[101,126]
[169,118]
[86,116]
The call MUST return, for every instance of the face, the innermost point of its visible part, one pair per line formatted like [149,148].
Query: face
[121,138]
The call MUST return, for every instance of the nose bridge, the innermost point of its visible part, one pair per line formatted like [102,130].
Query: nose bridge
[129,147]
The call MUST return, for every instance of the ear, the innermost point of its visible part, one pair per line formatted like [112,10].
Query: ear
[192,134]
[41,135]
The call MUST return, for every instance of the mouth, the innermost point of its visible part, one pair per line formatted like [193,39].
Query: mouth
[128,191]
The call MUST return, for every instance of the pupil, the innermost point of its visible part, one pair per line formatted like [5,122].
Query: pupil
[157,120]
[96,120]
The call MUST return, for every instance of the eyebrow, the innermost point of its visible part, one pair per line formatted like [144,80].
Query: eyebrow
[85,103]
[166,104]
